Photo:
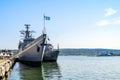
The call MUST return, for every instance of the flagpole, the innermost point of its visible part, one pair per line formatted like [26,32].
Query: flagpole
[44,19]
[44,30]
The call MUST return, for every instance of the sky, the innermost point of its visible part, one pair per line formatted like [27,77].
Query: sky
[73,23]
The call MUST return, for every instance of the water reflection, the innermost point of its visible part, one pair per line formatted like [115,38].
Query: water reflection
[48,71]
[23,72]
[30,73]
[51,71]
[13,74]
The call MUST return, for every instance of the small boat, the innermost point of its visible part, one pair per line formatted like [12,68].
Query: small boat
[50,54]
[31,50]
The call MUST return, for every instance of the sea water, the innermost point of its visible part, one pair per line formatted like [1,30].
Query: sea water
[70,68]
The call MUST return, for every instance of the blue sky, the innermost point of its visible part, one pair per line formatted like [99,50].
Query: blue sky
[73,24]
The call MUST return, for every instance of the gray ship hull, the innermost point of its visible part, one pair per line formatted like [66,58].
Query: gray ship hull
[51,56]
[33,52]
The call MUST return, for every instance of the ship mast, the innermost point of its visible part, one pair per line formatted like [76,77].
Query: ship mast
[27,35]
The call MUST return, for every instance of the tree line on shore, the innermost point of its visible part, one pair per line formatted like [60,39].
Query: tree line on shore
[90,52]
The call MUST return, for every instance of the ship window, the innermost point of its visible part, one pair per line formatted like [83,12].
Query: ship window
[38,48]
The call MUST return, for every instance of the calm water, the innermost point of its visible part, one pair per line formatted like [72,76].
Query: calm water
[70,68]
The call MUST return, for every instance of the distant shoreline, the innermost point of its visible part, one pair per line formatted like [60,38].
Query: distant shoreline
[90,52]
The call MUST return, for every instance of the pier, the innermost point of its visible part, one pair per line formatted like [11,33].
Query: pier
[5,66]
[7,61]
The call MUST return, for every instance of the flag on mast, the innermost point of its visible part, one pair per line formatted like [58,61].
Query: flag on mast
[46,18]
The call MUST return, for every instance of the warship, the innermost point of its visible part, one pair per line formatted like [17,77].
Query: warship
[31,50]
[50,54]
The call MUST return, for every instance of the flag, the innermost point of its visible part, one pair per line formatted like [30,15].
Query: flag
[46,18]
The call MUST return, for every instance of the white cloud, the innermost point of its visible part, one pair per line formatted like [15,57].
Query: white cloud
[115,21]
[106,21]
[110,12]
[103,23]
